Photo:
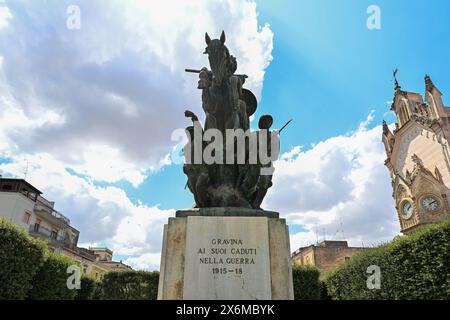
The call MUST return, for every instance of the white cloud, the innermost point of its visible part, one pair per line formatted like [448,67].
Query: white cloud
[339,180]
[116,88]
[100,103]
[338,185]
[5,16]
[103,100]
[102,214]
[147,261]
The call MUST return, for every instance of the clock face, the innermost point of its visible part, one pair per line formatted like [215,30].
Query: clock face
[430,203]
[407,209]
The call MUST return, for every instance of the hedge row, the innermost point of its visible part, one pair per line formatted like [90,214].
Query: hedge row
[130,285]
[416,266]
[21,258]
[89,289]
[28,270]
[307,285]
[412,267]
[50,282]
[140,285]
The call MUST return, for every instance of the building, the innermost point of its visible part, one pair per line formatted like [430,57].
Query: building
[23,204]
[104,256]
[325,255]
[418,156]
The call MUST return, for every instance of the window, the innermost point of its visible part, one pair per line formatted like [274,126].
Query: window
[26,217]
[37,224]
[54,234]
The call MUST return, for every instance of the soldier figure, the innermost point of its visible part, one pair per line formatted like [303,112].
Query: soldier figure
[265,180]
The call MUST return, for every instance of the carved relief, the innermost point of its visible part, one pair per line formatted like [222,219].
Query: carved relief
[401,193]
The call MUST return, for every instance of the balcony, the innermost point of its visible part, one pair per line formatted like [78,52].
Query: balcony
[60,216]
[51,214]
[47,234]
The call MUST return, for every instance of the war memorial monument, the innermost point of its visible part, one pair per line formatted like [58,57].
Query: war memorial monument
[226,246]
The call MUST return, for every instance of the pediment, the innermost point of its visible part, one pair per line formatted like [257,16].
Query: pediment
[425,182]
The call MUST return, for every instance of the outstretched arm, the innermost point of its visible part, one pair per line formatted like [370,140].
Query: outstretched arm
[190,114]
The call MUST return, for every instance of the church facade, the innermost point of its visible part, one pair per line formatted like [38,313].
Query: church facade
[418,156]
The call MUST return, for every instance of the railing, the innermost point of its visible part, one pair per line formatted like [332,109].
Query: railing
[53,212]
[58,215]
[49,234]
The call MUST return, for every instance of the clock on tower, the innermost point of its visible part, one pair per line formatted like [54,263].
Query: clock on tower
[418,156]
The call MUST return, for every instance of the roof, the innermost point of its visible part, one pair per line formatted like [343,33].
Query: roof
[333,243]
[326,244]
[117,264]
[101,249]
[19,181]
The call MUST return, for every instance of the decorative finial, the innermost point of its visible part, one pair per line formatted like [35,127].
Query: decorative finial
[397,86]
[385,127]
[416,160]
[429,85]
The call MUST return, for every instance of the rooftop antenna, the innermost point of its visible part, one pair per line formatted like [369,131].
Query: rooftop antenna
[26,170]
[315,231]
[342,228]
[336,234]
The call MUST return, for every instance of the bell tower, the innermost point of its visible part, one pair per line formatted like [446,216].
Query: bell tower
[418,156]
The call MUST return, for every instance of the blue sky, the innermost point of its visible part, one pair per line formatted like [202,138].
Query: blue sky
[92,110]
[329,71]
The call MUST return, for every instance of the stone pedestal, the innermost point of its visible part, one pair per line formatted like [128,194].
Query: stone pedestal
[225,253]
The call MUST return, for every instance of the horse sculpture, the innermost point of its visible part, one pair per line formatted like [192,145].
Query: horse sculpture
[227,105]
[221,89]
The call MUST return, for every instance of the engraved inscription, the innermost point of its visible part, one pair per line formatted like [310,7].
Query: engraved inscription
[227,258]
[227,254]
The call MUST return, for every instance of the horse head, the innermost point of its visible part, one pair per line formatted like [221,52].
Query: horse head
[219,58]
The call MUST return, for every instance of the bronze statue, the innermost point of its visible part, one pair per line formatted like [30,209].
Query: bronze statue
[227,106]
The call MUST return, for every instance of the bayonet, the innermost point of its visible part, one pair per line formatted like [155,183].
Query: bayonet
[285,126]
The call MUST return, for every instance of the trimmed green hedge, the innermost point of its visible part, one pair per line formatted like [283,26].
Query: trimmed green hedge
[416,266]
[88,288]
[307,285]
[20,258]
[50,282]
[130,285]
